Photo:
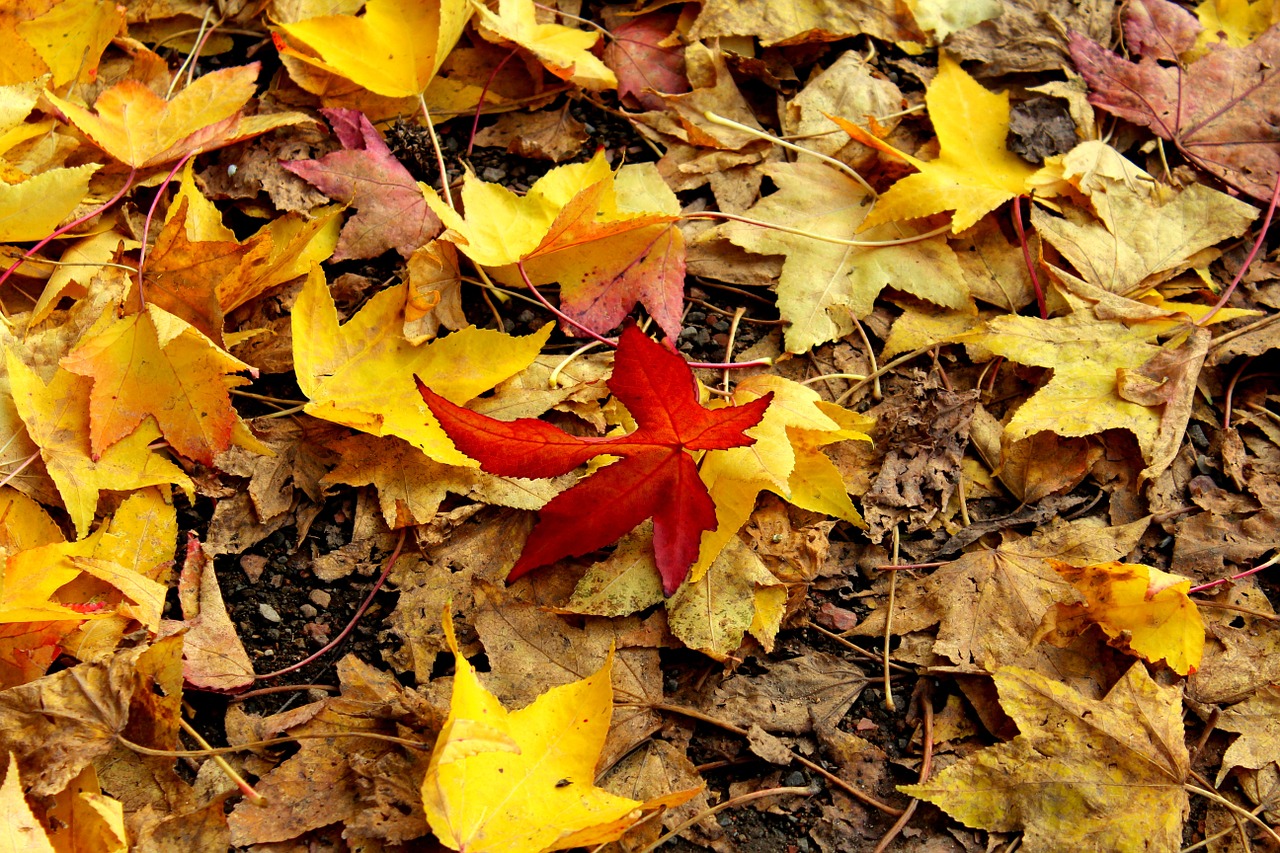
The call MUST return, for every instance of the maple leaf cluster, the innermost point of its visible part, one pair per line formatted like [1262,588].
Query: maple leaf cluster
[986,370]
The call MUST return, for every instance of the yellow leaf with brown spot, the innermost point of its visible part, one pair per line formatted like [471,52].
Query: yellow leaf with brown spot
[1141,609]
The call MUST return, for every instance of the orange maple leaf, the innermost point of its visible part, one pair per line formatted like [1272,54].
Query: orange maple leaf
[141,129]
[155,364]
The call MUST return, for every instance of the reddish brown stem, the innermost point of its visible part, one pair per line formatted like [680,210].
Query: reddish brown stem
[128,184]
[351,626]
[146,225]
[475,123]
[1026,257]
[1253,253]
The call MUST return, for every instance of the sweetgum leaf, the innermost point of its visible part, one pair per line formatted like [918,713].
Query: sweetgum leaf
[1220,110]
[655,478]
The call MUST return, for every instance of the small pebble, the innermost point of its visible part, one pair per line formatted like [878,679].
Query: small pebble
[317,632]
[493,175]
[320,598]
[253,565]
[795,779]
[308,611]
[269,613]
[695,317]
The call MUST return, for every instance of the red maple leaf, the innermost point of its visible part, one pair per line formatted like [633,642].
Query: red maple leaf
[655,478]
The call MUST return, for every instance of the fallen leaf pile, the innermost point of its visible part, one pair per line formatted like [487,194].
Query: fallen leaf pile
[739,421]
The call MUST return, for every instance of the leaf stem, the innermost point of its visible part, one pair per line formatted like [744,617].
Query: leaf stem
[1244,813]
[151,212]
[475,122]
[377,585]
[435,144]
[128,185]
[1026,257]
[813,235]
[560,314]
[1253,253]
[1211,584]
[739,800]
[258,744]
[761,134]
[245,788]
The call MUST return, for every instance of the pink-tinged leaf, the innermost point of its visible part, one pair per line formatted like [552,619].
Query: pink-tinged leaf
[655,478]
[1221,111]
[392,213]
[642,64]
[1160,30]
[606,267]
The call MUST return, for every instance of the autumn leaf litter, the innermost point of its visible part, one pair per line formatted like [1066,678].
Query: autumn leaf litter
[1003,319]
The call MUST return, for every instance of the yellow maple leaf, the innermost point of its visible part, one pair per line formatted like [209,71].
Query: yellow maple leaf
[1082,774]
[1140,608]
[154,364]
[57,417]
[523,781]
[735,596]
[822,283]
[974,172]
[21,829]
[71,36]
[1235,23]
[361,374]
[281,250]
[139,128]
[564,51]
[393,50]
[32,208]
[786,459]
[1082,397]
[501,227]
[131,552]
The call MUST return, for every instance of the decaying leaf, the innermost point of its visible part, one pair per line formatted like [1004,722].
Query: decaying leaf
[1076,764]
